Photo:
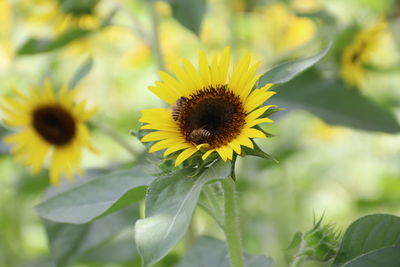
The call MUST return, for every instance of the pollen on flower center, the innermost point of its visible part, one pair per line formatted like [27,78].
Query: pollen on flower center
[212,115]
[54,124]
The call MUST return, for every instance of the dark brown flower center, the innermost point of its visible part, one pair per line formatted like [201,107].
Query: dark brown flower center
[55,124]
[212,115]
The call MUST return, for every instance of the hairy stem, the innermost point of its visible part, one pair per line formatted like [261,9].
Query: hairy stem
[212,198]
[231,223]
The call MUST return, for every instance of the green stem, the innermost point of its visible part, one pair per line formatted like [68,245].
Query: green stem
[116,137]
[212,198]
[155,40]
[231,224]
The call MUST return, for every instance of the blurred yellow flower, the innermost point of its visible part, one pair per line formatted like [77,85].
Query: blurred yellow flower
[308,6]
[285,30]
[64,14]
[373,46]
[210,111]
[7,49]
[325,132]
[138,56]
[48,124]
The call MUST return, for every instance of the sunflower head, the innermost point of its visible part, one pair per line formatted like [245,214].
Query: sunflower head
[77,13]
[78,7]
[211,109]
[47,123]
[371,46]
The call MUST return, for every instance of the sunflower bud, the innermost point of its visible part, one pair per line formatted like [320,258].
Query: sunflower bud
[320,243]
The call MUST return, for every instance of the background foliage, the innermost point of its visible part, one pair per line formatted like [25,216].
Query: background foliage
[337,144]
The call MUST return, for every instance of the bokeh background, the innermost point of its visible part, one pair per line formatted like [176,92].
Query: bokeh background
[339,171]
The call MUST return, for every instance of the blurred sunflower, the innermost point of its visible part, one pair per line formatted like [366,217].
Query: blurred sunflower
[285,30]
[211,112]
[64,14]
[78,13]
[373,46]
[48,123]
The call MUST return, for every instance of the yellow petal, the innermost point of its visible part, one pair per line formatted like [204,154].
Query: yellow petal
[164,144]
[159,135]
[256,113]
[176,147]
[237,74]
[172,83]
[253,133]
[208,153]
[184,155]
[224,64]
[258,121]
[164,93]
[204,69]
[256,98]
[235,145]
[245,141]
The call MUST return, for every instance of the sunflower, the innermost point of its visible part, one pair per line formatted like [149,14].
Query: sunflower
[64,14]
[81,14]
[372,46]
[48,123]
[211,111]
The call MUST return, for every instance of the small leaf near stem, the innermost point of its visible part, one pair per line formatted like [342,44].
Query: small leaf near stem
[231,224]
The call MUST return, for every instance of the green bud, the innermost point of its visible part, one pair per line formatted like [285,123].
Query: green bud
[320,243]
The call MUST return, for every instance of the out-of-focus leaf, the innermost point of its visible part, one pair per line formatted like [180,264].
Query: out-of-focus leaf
[34,45]
[170,204]
[189,13]
[388,257]
[288,70]
[83,70]
[373,240]
[211,252]
[69,241]
[119,251]
[335,103]
[99,196]
[4,148]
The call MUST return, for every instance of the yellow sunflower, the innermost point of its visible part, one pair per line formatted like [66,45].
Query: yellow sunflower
[211,109]
[64,14]
[46,124]
[372,46]
[77,13]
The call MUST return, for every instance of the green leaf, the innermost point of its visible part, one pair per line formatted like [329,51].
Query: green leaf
[208,251]
[170,204]
[97,197]
[288,70]
[296,240]
[69,241]
[373,240]
[335,103]
[387,257]
[119,251]
[83,70]
[258,152]
[34,45]
[189,13]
